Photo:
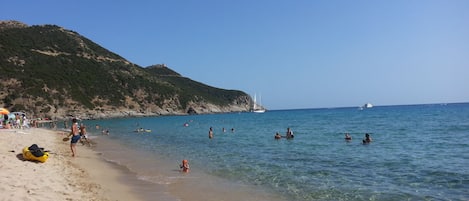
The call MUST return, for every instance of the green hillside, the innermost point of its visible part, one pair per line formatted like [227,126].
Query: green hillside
[48,69]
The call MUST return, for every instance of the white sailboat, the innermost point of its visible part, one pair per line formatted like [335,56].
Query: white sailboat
[257,108]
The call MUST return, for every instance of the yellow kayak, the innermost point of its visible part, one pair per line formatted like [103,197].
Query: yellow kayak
[28,155]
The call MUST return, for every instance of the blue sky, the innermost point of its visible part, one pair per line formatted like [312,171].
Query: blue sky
[295,54]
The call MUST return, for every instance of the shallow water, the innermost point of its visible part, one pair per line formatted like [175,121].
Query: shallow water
[418,153]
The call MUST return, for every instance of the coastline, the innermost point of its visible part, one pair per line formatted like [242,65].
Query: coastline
[164,181]
[61,177]
[91,176]
[318,168]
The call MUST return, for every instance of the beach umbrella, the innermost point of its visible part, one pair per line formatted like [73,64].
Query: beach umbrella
[4,111]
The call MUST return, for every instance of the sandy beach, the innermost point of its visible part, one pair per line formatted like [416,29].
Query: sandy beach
[61,177]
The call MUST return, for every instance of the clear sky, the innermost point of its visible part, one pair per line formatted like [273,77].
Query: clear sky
[295,54]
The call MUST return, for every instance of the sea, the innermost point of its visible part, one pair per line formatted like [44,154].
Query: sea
[418,152]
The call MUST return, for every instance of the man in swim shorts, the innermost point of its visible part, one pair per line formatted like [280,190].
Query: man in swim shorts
[75,137]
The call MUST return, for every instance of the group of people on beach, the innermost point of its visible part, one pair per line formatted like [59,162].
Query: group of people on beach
[18,122]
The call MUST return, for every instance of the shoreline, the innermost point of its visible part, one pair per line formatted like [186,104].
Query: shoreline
[98,173]
[61,177]
[164,181]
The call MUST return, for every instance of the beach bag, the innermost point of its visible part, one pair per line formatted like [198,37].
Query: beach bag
[36,151]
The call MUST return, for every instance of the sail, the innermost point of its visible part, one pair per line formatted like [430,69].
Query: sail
[254,107]
[257,107]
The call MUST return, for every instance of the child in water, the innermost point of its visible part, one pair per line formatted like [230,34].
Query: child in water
[184,166]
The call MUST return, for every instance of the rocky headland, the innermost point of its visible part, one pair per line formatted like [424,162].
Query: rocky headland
[48,71]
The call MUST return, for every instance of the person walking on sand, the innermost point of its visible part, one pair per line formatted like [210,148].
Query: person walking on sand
[75,137]
[210,133]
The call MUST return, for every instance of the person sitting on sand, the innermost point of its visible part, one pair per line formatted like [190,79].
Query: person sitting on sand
[184,166]
[367,139]
[277,136]
[348,137]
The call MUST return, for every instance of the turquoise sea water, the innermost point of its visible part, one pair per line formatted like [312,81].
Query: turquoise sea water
[419,152]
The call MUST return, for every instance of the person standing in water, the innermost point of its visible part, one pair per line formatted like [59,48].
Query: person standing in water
[289,133]
[210,133]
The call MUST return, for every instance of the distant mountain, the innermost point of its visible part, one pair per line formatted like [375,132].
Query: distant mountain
[49,71]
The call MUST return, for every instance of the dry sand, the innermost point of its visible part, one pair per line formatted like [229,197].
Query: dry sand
[61,177]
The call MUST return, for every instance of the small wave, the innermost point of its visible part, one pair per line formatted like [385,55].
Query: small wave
[155,179]
[163,180]
[183,177]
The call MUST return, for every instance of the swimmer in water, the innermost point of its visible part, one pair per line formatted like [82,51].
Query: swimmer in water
[277,136]
[367,139]
[348,137]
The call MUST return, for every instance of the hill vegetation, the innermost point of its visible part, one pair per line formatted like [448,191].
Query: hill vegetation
[49,71]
